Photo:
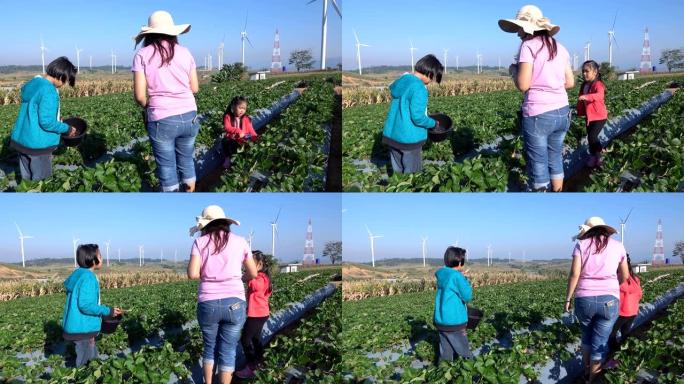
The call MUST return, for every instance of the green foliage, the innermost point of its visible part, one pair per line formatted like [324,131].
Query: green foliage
[672,58]
[607,71]
[333,250]
[230,72]
[301,58]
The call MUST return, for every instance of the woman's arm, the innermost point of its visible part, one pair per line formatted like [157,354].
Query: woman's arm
[194,267]
[523,80]
[250,268]
[140,88]
[569,77]
[575,271]
[623,271]
[595,96]
[194,82]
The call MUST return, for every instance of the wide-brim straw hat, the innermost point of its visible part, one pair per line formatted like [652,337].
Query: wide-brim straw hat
[530,19]
[592,222]
[161,22]
[210,214]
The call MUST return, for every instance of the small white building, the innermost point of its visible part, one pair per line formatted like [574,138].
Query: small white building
[261,75]
[629,75]
[289,268]
[639,268]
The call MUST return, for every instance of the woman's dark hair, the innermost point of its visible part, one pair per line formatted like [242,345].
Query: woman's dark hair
[454,257]
[547,41]
[86,255]
[63,70]
[595,66]
[165,51]
[599,238]
[218,231]
[430,66]
[259,257]
[237,100]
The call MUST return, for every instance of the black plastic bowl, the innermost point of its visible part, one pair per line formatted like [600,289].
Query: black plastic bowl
[474,317]
[81,129]
[110,323]
[442,131]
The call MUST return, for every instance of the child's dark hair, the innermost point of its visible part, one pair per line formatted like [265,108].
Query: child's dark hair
[86,255]
[158,39]
[259,257]
[219,231]
[629,265]
[454,257]
[237,100]
[430,66]
[595,66]
[63,70]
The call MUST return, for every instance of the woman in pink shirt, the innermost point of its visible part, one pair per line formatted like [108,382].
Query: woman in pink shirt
[543,74]
[217,259]
[164,81]
[599,265]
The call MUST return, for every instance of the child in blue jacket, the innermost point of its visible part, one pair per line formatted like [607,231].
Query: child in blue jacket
[83,313]
[451,313]
[407,122]
[38,127]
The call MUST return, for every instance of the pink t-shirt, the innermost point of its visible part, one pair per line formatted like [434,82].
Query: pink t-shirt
[221,273]
[547,90]
[169,86]
[599,270]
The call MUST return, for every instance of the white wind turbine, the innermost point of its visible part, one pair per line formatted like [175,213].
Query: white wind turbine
[457,63]
[141,255]
[446,50]
[162,257]
[175,256]
[324,27]
[74,241]
[113,62]
[243,37]
[489,255]
[91,62]
[425,239]
[251,237]
[43,48]
[358,50]
[78,59]
[412,48]
[623,224]
[372,238]
[479,63]
[611,38]
[21,242]
[119,255]
[219,53]
[587,51]
[274,230]
[107,248]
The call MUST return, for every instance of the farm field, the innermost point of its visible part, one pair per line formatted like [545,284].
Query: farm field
[392,339]
[652,150]
[161,307]
[290,151]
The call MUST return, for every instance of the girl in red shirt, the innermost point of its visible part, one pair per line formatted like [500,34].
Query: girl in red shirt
[630,295]
[238,128]
[259,290]
[591,104]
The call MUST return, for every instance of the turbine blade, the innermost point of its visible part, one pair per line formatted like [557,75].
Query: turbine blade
[312,1]
[356,36]
[19,230]
[615,40]
[337,9]
[615,18]
[245,27]
[368,230]
[630,212]
[249,41]
[28,237]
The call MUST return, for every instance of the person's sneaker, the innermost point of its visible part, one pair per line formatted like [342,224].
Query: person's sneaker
[611,363]
[245,373]
[591,163]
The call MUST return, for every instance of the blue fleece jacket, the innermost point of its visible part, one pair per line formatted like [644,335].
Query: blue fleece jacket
[407,121]
[82,311]
[37,126]
[452,286]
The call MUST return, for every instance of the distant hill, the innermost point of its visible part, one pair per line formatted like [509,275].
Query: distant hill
[407,68]
[10,69]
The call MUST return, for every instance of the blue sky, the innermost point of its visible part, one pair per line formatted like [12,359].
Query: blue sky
[540,224]
[464,27]
[160,221]
[99,26]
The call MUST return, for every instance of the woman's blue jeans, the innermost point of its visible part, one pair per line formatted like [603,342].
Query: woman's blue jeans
[173,146]
[221,323]
[543,139]
[597,315]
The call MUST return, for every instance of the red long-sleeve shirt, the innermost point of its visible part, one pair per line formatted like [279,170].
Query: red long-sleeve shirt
[630,295]
[244,126]
[258,294]
[594,108]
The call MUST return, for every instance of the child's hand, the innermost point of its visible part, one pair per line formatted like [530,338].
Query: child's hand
[242,135]
[582,98]
[117,311]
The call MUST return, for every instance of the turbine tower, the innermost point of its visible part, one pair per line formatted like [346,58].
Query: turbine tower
[119,255]
[446,50]
[251,237]
[372,238]
[645,65]
[611,38]
[243,37]
[274,230]
[489,255]
[623,223]
[78,59]
[175,256]
[107,248]
[141,255]
[276,64]
[425,239]
[324,30]
[21,242]
[113,62]
[412,48]
[309,256]
[358,50]
[658,248]
[219,54]
[161,257]
[42,53]
[74,241]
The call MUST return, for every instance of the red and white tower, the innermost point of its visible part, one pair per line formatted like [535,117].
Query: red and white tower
[658,248]
[276,64]
[646,65]
[309,256]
